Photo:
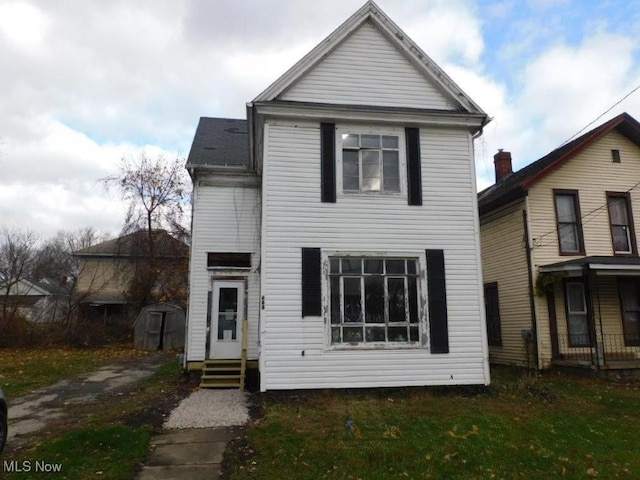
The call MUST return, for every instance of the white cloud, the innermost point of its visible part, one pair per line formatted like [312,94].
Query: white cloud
[90,82]
[23,24]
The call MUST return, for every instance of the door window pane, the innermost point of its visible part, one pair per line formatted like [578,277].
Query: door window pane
[228,314]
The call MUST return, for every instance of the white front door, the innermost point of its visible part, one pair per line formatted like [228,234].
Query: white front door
[226,319]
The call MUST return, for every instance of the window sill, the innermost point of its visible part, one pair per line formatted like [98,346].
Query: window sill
[572,254]
[348,193]
[375,346]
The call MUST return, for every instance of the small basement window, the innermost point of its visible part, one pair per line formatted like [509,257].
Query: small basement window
[615,156]
[228,260]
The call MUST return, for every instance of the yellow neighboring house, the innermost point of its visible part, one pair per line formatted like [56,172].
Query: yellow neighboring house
[107,269]
[560,257]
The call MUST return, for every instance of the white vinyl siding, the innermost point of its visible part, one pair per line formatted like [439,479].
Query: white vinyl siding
[225,219]
[295,351]
[367,69]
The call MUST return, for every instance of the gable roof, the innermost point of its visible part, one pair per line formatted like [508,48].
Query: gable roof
[219,142]
[24,287]
[370,12]
[134,244]
[516,185]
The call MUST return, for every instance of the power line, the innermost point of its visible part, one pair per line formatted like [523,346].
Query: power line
[600,116]
[583,218]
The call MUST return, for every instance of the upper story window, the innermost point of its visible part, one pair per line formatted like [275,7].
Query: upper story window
[621,223]
[569,226]
[615,156]
[370,162]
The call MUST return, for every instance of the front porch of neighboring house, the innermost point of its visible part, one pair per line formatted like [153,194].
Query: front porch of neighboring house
[594,315]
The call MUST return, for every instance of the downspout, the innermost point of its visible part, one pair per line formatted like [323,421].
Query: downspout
[532,303]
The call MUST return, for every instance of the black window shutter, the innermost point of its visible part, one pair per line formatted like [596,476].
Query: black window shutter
[437,291]
[311,283]
[414,173]
[328,162]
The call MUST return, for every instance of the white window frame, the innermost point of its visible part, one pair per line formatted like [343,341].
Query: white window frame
[364,130]
[421,300]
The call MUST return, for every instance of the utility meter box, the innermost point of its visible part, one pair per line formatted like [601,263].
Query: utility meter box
[527,335]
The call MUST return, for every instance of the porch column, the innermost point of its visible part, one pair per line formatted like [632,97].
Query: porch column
[593,296]
[553,325]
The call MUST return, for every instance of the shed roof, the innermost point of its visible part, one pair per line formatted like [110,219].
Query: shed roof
[594,263]
[220,142]
[516,185]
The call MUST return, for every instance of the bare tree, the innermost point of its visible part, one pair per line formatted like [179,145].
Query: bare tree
[57,266]
[17,258]
[55,258]
[156,190]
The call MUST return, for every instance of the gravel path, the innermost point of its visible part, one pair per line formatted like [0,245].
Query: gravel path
[210,408]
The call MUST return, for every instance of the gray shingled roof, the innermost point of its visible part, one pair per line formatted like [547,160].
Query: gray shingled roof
[135,244]
[220,142]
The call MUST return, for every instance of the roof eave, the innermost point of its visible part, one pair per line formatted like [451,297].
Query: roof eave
[622,120]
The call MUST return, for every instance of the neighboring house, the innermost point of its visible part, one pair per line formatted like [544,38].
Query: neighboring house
[340,221]
[564,227]
[106,270]
[41,302]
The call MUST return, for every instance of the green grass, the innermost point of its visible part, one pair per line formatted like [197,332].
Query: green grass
[108,439]
[550,427]
[23,370]
[109,453]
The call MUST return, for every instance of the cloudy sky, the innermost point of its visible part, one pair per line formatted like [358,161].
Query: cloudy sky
[83,84]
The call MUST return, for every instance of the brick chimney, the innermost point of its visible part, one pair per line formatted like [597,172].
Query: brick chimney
[502,162]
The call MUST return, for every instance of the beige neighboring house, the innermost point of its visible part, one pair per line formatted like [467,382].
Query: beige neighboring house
[560,257]
[106,269]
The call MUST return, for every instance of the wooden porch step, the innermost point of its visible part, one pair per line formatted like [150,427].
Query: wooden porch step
[221,373]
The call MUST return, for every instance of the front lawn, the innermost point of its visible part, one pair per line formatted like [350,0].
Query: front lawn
[520,427]
[106,439]
[23,370]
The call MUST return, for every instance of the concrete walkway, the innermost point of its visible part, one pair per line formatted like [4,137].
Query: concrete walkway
[191,454]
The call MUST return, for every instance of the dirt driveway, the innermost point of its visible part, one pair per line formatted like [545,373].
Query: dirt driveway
[32,413]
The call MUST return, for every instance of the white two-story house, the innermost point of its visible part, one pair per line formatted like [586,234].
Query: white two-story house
[338,223]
